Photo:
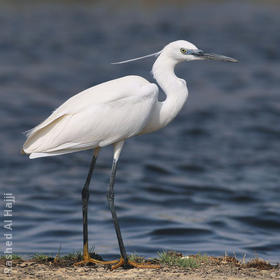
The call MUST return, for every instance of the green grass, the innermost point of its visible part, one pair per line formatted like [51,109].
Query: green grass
[176,259]
[14,257]
[135,258]
[165,259]
[72,256]
[40,258]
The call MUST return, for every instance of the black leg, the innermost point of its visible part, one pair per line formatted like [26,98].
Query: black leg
[110,198]
[85,197]
[124,261]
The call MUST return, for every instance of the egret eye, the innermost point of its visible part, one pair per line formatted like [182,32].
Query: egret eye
[183,51]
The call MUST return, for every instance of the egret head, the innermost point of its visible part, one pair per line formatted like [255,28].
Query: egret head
[185,51]
[179,51]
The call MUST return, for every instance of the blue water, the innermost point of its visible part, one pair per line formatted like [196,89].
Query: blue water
[207,183]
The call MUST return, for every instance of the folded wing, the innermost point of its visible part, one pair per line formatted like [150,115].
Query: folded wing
[97,117]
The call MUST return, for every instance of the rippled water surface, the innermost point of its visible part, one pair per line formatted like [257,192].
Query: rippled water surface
[208,183]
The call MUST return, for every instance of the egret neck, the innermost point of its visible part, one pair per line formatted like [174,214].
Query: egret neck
[175,89]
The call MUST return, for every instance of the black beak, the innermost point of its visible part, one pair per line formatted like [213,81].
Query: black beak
[212,56]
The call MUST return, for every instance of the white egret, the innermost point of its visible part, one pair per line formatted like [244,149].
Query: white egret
[110,113]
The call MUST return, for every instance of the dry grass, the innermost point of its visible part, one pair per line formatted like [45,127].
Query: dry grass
[165,259]
[259,264]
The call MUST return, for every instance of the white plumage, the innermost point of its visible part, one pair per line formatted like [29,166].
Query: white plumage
[118,109]
[96,117]
[109,113]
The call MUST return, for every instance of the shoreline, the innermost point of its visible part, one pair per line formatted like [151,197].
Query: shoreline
[173,265]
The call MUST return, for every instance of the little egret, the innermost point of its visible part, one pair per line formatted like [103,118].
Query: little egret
[110,113]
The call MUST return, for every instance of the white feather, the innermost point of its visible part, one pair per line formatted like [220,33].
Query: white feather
[114,111]
[95,118]
[137,58]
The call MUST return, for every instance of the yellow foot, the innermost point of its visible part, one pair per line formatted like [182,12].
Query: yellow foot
[85,261]
[129,263]
[56,259]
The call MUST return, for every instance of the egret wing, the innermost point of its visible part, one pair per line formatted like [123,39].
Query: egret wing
[99,94]
[121,113]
